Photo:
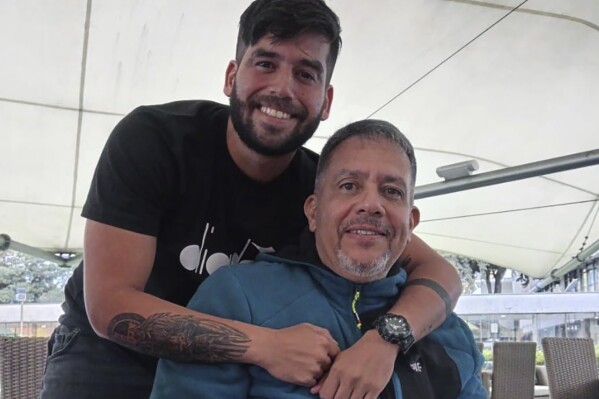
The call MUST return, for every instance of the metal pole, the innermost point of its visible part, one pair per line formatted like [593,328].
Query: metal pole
[569,266]
[7,243]
[568,162]
[22,308]
[4,242]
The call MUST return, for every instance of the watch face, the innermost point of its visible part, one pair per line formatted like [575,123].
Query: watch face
[395,327]
[396,330]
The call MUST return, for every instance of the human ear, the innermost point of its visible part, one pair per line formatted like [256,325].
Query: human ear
[230,74]
[414,218]
[328,100]
[310,212]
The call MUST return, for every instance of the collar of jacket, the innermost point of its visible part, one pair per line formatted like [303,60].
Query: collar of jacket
[375,294]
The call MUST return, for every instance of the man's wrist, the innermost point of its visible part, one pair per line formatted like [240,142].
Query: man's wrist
[373,337]
[396,330]
[258,338]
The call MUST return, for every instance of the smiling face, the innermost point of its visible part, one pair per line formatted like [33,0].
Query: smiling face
[362,213]
[278,92]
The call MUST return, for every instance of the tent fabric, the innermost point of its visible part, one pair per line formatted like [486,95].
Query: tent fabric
[502,82]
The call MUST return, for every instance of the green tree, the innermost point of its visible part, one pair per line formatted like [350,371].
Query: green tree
[468,268]
[42,280]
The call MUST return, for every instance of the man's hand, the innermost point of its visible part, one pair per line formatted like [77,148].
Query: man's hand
[361,371]
[299,355]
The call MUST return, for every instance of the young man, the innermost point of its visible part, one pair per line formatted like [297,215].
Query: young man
[184,188]
[343,277]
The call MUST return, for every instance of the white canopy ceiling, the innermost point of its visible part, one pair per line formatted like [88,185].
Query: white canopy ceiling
[463,79]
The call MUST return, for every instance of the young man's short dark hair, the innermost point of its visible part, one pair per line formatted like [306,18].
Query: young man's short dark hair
[285,19]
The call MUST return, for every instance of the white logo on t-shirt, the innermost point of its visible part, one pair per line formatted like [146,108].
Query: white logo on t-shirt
[416,366]
[193,257]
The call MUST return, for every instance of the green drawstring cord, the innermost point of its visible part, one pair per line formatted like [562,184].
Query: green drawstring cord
[353,308]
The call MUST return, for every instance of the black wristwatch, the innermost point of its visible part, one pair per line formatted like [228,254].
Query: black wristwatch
[396,330]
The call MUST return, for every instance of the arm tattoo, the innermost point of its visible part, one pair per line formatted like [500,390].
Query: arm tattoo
[178,337]
[433,285]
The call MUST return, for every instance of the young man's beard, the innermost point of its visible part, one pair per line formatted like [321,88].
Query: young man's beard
[247,134]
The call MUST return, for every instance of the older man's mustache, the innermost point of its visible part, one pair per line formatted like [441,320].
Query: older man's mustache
[367,223]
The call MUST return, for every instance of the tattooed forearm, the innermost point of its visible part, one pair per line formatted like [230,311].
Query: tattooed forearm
[178,337]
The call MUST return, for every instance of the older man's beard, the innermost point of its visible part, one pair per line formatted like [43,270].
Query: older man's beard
[246,130]
[376,268]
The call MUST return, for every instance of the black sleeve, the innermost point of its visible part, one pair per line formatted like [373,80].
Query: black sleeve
[135,181]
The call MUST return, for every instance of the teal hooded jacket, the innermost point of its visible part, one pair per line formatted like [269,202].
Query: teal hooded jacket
[282,291]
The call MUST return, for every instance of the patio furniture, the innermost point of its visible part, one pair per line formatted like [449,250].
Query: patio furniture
[513,370]
[571,368]
[22,362]
[541,383]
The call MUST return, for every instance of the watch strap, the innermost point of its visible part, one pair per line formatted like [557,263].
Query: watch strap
[404,340]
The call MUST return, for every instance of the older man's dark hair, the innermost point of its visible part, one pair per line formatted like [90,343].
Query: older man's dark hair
[371,129]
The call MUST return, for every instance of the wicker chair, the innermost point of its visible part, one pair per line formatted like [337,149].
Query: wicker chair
[22,362]
[571,368]
[513,370]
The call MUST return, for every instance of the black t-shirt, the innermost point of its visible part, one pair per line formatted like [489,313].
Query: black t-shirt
[166,172]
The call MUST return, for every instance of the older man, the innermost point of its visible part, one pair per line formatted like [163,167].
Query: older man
[344,276]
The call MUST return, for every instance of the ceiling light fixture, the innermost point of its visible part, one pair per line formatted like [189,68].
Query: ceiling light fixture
[457,170]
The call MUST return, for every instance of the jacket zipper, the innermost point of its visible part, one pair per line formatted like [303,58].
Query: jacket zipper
[354,304]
